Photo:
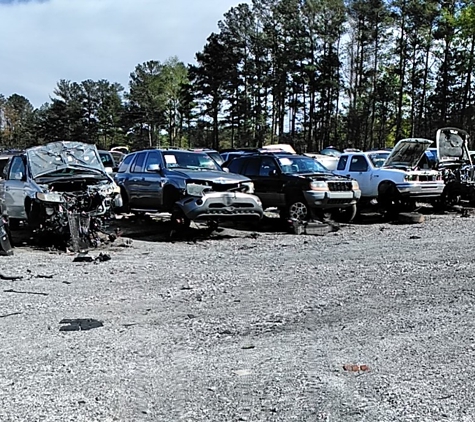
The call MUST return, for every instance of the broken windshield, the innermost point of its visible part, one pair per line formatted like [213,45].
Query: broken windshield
[54,156]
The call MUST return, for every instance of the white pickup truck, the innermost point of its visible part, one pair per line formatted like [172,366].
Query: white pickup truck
[396,181]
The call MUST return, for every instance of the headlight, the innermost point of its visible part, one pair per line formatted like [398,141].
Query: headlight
[319,185]
[410,177]
[49,197]
[249,186]
[355,185]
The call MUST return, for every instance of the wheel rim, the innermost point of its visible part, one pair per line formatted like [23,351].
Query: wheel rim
[298,211]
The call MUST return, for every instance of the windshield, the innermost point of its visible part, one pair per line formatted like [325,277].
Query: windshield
[301,165]
[378,158]
[54,156]
[189,160]
[106,159]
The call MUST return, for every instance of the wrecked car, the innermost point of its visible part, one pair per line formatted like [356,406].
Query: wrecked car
[398,181]
[58,187]
[454,161]
[189,185]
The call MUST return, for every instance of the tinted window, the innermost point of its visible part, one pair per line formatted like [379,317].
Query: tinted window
[235,166]
[342,162]
[125,163]
[252,167]
[267,165]
[138,166]
[358,163]
[153,158]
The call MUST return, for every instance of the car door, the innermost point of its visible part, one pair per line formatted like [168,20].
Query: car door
[135,182]
[360,169]
[13,192]
[152,183]
[270,183]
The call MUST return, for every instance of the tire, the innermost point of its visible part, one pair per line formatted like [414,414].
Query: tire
[179,220]
[389,200]
[297,209]
[345,215]
[125,208]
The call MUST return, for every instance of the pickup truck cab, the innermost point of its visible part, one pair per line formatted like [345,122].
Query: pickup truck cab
[398,181]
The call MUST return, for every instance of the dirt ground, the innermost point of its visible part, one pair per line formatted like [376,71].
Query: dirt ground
[373,322]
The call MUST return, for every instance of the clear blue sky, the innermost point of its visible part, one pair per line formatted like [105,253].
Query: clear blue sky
[43,41]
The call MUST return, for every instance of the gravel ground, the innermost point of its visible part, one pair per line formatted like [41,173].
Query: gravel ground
[370,323]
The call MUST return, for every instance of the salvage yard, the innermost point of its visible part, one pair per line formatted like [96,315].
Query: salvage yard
[372,322]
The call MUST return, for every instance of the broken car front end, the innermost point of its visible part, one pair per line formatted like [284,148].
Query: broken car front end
[211,200]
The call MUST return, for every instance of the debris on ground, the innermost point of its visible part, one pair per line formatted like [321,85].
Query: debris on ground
[10,277]
[356,368]
[84,257]
[316,228]
[25,292]
[80,324]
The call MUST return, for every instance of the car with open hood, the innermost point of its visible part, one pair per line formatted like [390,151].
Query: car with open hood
[50,185]
[189,185]
[398,182]
[455,162]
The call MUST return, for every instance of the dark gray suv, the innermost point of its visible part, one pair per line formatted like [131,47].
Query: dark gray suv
[190,185]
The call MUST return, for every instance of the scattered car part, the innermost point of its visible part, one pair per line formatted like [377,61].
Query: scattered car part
[80,324]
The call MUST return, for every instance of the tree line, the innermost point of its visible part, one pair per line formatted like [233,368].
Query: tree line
[312,73]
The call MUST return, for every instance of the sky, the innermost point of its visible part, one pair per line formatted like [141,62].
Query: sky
[43,41]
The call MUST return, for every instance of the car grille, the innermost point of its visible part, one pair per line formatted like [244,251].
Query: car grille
[430,178]
[223,187]
[340,186]
[338,201]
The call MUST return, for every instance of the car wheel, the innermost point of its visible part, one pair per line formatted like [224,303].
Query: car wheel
[297,209]
[125,208]
[345,215]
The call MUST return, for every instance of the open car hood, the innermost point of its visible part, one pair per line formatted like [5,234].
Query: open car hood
[407,153]
[452,144]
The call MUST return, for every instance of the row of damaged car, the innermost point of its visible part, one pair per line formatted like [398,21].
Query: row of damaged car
[63,188]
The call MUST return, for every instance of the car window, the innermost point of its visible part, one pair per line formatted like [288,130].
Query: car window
[235,166]
[342,162]
[17,168]
[358,163]
[107,160]
[267,165]
[125,163]
[298,164]
[3,163]
[189,160]
[153,157]
[252,167]
[138,166]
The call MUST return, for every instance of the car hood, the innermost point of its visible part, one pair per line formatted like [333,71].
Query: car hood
[452,144]
[407,153]
[214,176]
[55,156]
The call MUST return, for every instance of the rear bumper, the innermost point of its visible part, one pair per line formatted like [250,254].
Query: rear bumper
[421,189]
[222,206]
[332,199]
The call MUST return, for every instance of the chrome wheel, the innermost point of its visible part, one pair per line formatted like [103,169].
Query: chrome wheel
[298,210]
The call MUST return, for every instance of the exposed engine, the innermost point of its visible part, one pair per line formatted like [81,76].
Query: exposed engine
[76,210]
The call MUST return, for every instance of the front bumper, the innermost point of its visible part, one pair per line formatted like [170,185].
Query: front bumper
[222,206]
[421,189]
[332,199]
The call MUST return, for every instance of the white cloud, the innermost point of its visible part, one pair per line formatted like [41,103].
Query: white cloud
[43,42]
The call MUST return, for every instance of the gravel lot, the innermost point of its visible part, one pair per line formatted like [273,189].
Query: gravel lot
[246,326]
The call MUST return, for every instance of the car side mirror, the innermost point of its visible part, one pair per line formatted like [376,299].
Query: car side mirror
[274,172]
[17,176]
[225,169]
[154,168]
[109,170]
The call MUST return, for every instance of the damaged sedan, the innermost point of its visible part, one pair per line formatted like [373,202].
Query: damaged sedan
[61,188]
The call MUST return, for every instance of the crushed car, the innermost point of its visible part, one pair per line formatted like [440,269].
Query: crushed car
[454,161]
[189,185]
[61,188]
